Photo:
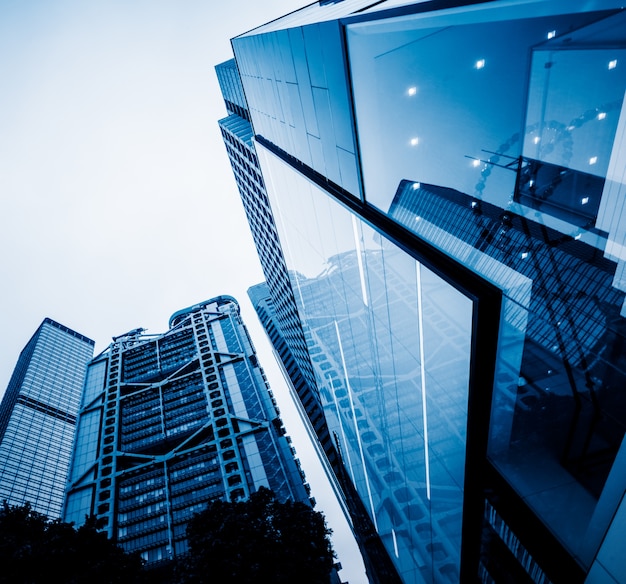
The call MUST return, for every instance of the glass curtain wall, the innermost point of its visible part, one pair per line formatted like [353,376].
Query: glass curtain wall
[497,135]
[390,344]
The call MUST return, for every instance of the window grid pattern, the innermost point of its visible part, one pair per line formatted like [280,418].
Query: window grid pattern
[38,417]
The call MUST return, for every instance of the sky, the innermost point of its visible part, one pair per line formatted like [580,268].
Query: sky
[118,206]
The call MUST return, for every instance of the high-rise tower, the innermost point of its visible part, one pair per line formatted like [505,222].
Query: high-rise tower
[171,421]
[38,417]
[279,314]
[237,135]
[446,181]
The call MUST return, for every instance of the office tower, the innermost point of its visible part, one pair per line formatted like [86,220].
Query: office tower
[286,330]
[266,311]
[447,183]
[172,421]
[38,417]
[237,135]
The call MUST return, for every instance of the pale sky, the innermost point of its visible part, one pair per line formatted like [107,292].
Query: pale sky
[117,202]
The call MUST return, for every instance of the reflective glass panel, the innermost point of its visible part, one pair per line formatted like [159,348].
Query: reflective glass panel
[497,135]
[390,344]
[441,98]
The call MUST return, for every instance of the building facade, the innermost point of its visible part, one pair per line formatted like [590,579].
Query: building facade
[376,560]
[170,422]
[279,312]
[237,135]
[447,184]
[38,417]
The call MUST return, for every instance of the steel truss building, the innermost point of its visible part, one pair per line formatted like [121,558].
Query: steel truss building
[38,417]
[170,422]
[446,181]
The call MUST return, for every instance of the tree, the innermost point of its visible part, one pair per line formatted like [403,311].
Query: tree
[35,549]
[258,540]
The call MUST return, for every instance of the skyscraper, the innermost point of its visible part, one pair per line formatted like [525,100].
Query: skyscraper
[172,421]
[38,417]
[279,313]
[446,180]
[237,135]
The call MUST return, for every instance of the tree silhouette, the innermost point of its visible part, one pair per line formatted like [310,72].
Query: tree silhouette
[258,540]
[35,549]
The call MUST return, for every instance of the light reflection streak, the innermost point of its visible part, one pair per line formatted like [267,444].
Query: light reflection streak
[356,429]
[359,259]
[420,317]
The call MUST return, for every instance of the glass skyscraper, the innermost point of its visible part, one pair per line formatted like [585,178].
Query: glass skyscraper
[279,313]
[172,421]
[237,135]
[38,417]
[447,183]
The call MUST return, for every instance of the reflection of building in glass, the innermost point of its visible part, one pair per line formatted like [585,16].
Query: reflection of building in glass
[451,217]
[38,417]
[172,421]
[279,314]
[376,560]
[560,404]
[373,385]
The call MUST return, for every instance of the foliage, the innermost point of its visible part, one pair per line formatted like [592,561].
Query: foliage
[35,549]
[258,540]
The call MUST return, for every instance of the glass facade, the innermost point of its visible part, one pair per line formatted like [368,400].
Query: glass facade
[172,421]
[237,135]
[418,156]
[300,98]
[38,417]
[390,342]
[466,171]
[279,315]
